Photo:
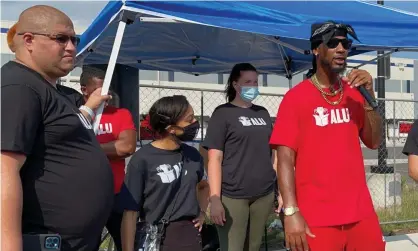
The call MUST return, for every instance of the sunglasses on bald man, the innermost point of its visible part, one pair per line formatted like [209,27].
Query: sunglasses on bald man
[59,38]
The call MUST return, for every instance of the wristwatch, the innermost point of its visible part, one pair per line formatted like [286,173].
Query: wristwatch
[289,211]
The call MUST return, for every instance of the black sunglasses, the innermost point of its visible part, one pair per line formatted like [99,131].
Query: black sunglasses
[59,38]
[334,42]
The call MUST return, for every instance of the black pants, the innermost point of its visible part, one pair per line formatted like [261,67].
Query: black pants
[113,225]
[181,236]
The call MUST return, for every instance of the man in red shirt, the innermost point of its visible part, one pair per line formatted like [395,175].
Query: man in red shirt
[327,204]
[117,137]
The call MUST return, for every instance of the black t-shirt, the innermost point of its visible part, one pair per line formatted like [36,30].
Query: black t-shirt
[152,185]
[411,144]
[75,97]
[243,135]
[67,180]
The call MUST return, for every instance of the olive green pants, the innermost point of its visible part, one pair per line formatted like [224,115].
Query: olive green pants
[245,223]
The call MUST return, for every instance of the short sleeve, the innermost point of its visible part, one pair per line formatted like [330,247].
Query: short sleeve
[21,117]
[126,121]
[216,132]
[79,100]
[132,191]
[286,127]
[203,175]
[411,144]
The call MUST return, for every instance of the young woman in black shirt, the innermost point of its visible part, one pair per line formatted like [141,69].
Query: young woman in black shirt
[241,164]
[162,178]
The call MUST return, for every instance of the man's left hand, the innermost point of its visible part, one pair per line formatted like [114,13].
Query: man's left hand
[359,77]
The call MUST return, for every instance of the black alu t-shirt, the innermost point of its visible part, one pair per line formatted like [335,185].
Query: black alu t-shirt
[243,135]
[66,179]
[161,184]
[411,144]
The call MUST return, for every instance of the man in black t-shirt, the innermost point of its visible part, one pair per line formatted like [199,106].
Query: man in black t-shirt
[75,97]
[411,149]
[55,177]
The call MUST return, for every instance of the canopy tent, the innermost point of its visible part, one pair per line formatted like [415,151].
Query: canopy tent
[201,37]
[209,37]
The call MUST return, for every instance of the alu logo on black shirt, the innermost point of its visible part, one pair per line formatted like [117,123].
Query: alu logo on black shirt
[169,173]
[246,121]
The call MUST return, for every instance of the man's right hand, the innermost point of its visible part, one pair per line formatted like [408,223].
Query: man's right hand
[217,211]
[296,231]
[96,98]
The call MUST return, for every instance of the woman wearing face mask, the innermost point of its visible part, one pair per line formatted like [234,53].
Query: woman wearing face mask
[240,167]
[162,177]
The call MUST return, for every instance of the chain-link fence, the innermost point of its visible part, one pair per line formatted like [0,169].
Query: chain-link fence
[394,193]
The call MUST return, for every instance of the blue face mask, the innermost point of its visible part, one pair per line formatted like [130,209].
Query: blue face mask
[249,93]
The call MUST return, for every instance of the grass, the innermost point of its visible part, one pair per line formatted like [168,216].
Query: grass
[407,211]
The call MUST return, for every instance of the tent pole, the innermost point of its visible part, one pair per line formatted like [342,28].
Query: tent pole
[110,69]
[382,152]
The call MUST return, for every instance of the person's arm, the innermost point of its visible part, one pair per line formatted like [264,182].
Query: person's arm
[203,190]
[203,195]
[128,229]
[21,115]
[215,142]
[94,101]
[371,131]
[413,167]
[411,149]
[11,201]
[286,175]
[121,148]
[125,145]
[285,138]
[131,199]
[215,173]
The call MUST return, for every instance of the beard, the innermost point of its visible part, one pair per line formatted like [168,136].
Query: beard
[336,69]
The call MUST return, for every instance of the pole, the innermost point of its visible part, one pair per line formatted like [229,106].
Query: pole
[382,152]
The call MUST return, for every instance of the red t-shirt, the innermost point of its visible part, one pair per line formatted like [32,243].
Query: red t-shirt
[113,122]
[330,180]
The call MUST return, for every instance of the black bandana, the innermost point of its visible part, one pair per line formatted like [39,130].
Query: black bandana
[323,32]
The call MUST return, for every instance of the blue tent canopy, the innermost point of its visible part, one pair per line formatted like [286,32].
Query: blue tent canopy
[201,37]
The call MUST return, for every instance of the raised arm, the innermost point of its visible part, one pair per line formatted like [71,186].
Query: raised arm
[371,133]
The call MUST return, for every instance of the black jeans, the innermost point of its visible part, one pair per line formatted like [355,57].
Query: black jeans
[113,225]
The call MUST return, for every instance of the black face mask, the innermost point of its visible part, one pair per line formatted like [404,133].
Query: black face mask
[190,132]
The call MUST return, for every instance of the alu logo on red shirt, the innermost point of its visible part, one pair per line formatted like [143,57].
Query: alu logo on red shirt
[324,116]
[105,128]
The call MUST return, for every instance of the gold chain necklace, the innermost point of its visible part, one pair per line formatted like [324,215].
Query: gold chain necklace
[324,94]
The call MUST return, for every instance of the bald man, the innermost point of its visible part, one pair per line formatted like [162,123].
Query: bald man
[54,176]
